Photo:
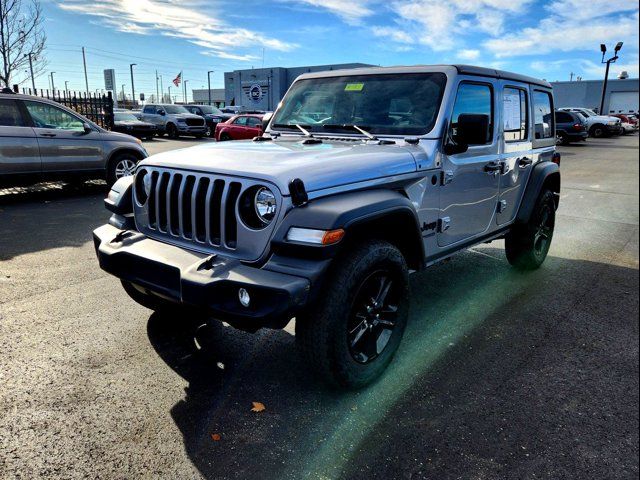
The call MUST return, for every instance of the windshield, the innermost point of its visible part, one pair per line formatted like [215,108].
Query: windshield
[393,104]
[124,117]
[207,110]
[588,113]
[173,109]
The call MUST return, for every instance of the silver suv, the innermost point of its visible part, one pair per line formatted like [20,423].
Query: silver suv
[324,217]
[175,120]
[43,140]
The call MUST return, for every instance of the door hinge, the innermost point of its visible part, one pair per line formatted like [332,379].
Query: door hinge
[444,224]
[502,206]
[447,177]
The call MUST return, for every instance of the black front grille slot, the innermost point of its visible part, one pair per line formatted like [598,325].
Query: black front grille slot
[215,207]
[172,200]
[185,197]
[230,222]
[152,200]
[200,195]
[161,199]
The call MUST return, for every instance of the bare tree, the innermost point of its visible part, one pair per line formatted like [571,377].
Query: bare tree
[21,34]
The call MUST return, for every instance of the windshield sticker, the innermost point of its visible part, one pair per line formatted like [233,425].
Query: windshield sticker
[354,87]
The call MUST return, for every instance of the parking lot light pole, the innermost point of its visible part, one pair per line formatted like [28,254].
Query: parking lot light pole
[169,93]
[53,85]
[185,91]
[603,49]
[209,79]
[133,88]
[33,79]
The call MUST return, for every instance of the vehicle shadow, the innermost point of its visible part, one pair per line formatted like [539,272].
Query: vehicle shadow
[461,312]
[64,214]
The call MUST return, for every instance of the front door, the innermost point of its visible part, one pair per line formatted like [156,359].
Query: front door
[517,151]
[19,152]
[469,194]
[64,144]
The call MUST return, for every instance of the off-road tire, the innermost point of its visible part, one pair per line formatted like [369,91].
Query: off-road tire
[322,333]
[522,244]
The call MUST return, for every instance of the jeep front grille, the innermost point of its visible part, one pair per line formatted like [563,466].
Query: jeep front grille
[199,210]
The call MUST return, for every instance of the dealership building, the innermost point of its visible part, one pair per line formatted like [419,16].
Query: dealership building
[263,88]
[621,95]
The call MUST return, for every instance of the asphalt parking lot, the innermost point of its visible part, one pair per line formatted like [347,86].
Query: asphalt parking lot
[501,374]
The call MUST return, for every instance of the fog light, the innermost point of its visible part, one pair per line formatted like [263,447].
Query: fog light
[244,297]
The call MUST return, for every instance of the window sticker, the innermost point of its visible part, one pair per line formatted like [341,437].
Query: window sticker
[354,87]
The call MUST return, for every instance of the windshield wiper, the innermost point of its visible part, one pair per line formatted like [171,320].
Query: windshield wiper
[367,134]
[311,140]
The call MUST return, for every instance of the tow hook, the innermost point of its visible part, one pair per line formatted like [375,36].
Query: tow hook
[121,236]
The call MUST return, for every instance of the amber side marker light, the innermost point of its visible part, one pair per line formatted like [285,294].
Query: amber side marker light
[557,158]
[314,236]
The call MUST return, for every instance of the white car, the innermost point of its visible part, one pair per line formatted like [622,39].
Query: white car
[598,125]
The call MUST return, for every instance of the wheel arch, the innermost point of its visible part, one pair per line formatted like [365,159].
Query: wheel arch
[384,214]
[545,175]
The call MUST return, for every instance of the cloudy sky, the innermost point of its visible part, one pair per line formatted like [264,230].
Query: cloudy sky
[548,39]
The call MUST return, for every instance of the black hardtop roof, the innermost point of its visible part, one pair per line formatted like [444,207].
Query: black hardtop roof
[490,72]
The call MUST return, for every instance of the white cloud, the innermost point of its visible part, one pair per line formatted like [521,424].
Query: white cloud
[588,10]
[186,20]
[441,25]
[351,12]
[559,34]
[468,54]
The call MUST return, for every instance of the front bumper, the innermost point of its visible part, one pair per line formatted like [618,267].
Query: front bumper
[189,130]
[208,282]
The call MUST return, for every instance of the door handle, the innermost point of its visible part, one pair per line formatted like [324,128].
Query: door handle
[493,167]
[50,135]
[524,162]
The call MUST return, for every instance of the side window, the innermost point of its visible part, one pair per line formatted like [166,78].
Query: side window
[10,115]
[515,115]
[563,117]
[48,116]
[473,99]
[240,121]
[543,115]
[148,109]
[253,122]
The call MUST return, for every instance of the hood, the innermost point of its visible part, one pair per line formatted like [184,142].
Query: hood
[185,115]
[319,166]
[132,123]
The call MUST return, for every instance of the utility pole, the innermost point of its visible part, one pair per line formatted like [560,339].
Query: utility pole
[33,80]
[157,90]
[133,88]
[603,49]
[161,89]
[86,78]
[209,79]
[53,85]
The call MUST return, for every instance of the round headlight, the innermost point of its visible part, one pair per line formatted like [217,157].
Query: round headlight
[265,203]
[142,186]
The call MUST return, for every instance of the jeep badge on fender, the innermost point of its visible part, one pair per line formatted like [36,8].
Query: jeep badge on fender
[361,177]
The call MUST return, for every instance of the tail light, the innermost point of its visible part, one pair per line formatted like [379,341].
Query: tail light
[578,127]
[556,158]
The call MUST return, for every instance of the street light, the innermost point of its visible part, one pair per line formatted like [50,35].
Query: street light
[185,92]
[603,49]
[169,93]
[33,80]
[66,87]
[209,79]
[133,88]
[53,85]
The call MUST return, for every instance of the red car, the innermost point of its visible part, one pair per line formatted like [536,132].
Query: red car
[240,127]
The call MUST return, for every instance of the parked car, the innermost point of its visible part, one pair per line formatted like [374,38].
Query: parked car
[43,140]
[598,125]
[231,109]
[240,127]
[126,122]
[629,122]
[570,127]
[325,220]
[212,115]
[175,120]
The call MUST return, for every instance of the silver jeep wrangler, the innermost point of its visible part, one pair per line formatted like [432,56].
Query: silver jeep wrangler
[361,177]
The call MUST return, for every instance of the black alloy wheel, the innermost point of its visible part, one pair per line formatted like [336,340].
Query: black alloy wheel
[373,316]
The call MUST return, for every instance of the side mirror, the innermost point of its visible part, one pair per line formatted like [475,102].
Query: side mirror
[162,113]
[87,128]
[266,119]
[472,129]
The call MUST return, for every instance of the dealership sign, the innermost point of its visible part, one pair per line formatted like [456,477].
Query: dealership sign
[110,80]
[255,92]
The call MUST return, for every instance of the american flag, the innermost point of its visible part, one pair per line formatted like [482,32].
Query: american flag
[177,80]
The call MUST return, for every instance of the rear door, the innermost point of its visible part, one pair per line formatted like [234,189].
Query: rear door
[517,158]
[469,195]
[19,153]
[254,127]
[64,144]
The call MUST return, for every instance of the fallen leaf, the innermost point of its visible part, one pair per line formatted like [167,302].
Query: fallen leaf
[258,407]
[215,437]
